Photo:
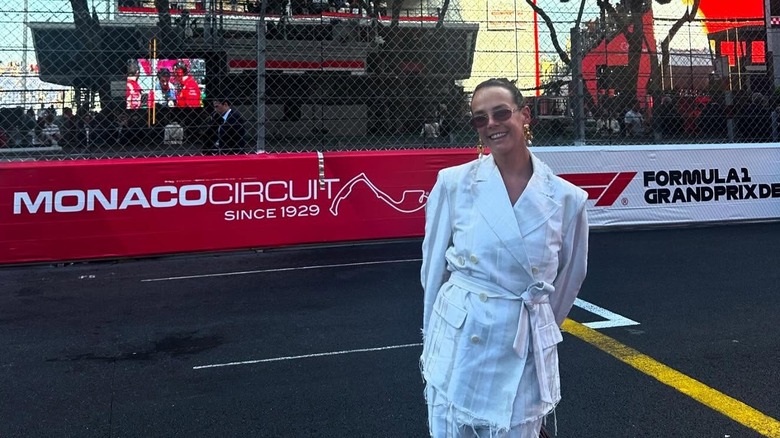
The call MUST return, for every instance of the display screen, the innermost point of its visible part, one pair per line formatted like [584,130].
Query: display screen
[174,83]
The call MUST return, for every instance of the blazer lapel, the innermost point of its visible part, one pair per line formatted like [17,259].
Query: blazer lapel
[536,205]
[492,201]
[538,202]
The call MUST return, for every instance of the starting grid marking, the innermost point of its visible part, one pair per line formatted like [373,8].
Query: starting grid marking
[306,356]
[707,396]
[612,320]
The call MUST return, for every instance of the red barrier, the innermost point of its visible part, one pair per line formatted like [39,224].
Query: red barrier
[58,211]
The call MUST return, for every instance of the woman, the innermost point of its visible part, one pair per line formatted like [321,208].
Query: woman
[504,256]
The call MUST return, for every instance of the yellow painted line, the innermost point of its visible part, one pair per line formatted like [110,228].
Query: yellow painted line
[728,406]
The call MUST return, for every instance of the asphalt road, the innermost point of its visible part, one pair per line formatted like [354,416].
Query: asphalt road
[324,342]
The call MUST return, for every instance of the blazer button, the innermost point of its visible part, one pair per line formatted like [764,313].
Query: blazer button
[483,297]
[534,270]
[461,261]
[474,259]
[475,339]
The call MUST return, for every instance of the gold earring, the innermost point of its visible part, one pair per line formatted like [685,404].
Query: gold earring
[480,148]
[528,134]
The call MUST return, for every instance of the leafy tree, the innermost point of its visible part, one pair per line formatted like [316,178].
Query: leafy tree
[628,15]
[690,15]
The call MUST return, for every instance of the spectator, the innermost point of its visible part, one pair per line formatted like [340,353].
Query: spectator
[635,123]
[48,133]
[228,132]
[755,119]
[29,124]
[88,130]
[68,127]
[319,6]
[667,121]
[712,121]
[121,131]
[430,130]
[607,124]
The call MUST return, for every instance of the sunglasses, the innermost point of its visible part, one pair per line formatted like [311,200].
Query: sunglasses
[500,115]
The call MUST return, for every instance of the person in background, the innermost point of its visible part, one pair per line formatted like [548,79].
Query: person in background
[503,258]
[667,121]
[754,119]
[133,91]
[164,92]
[28,125]
[68,127]
[188,94]
[49,133]
[89,132]
[635,122]
[228,132]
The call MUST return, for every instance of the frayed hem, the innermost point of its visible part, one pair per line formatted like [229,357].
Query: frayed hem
[460,418]
[544,416]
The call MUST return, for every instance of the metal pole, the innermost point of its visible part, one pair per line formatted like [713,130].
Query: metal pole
[578,104]
[690,57]
[24,54]
[260,111]
[730,120]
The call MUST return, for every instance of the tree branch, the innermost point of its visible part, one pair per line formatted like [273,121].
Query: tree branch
[553,35]
[687,18]
[442,13]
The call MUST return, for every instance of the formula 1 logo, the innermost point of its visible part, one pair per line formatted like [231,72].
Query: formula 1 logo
[603,187]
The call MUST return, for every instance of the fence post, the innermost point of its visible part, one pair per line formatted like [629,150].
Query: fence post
[260,100]
[578,103]
[730,112]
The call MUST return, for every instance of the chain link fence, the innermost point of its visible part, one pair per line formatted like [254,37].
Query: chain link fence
[133,78]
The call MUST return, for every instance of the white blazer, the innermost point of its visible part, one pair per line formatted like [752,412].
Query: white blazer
[498,281]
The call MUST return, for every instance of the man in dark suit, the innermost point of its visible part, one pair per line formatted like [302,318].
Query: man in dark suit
[228,132]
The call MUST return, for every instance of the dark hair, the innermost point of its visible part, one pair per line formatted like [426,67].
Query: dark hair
[164,72]
[132,68]
[506,84]
[181,66]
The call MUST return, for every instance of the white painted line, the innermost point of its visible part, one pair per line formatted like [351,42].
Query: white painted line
[305,356]
[261,271]
[612,319]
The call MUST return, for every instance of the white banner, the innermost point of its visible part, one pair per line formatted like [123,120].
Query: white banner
[672,184]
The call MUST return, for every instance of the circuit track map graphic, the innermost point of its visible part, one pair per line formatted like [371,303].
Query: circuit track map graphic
[411,201]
